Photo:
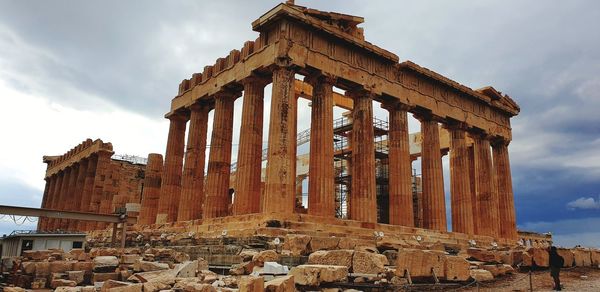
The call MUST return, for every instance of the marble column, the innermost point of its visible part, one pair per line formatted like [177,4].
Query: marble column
[508,224]
[399,167]
[88,189]
[69,195]
[488,216]
[460,182]
[45,202]
[170,189]
[249,159]
[472,181]
[102,174]
[51,224]
[219,159]
[321,192]
[78,192]
[363,202]
[434,207]
[151,192]
[192,183]
[280,178]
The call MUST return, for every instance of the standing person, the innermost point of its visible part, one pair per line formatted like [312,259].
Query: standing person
[556,262]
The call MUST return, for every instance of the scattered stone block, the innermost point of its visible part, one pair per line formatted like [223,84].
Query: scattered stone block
[199,287]
[281,284]
[456,268]
[105,263]
[251,284]
[42,269]
[540,256]
[130,258]
[248,254]
[28,267]
[313,275]
[484,255]
[60,266]
[420,263]
[37,255]
[265,256]
[67,289]
[297,244]
[38,283]
[481,275]
[87,267]
[274,268]
[595,258]
[368,263]
[582,257]
[567,255]
[340,257]
[186,269]
[102,277]
[323,243]
[145,266]
[62,282]
[76,276]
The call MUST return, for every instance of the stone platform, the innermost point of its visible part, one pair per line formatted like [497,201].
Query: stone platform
[339,233]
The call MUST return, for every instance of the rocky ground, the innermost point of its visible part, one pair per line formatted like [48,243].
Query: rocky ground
[572,279]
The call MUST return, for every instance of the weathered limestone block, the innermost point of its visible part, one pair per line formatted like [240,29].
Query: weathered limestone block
[248,254]
[481,275]
[130,258]
[76,276]
[281,284]
[420,263]
[102,277]
[583,257]
[199,287]
[347,243]
[391,255]
[368,263]
[540,256]
[67,289]
[83,266]
[323,243]
[186,269]
[105,263]
[123,288]
[37,255]
[567,255]
[595,258]
[14,289]
[483,255]
[145,266]
[28,267]
[62,282]
[340,257]
[74,254]
[527,260]
[297,244]
[265,256]
[88,289]
[61,266]
[313,275]
[95,252]
[244,268]
[42,269]
[38,283]
[511,257]
[456,268]
[251,284]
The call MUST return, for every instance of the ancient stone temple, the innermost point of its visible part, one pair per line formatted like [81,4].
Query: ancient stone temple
[329,51]
[88,178]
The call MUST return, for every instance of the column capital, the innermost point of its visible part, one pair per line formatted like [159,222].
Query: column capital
[178,116]
[479,134]
[455,125]
[319,77]
[228,94]
[256,79]
[396,105]
[360,92]
[499,141]
[427,116]
[199,105]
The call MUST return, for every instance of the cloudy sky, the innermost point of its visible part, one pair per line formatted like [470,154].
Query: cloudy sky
[107,69]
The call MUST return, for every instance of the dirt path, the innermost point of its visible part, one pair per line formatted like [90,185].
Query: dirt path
[574,279]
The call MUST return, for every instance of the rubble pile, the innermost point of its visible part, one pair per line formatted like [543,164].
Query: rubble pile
[316,262]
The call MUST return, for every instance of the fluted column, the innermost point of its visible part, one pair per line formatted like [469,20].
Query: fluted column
[363,202]
[151,192]
[400,167]
[50,225]
[486,195]
[67,204]
[192,183]
[249,159]
[42,220]
[102,174]
[88,189]
[219,159]
[280,178]
[170,190]
[508,224]
[75,205]
[472,181]
[460,182]
[321,192]
[434,207]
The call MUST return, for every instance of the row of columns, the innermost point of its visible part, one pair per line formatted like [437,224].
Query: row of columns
[78,187]
[483,207]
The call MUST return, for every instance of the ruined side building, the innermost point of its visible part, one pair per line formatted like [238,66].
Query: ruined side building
[329,50]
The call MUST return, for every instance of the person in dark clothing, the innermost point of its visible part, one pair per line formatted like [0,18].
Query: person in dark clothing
[556,262]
